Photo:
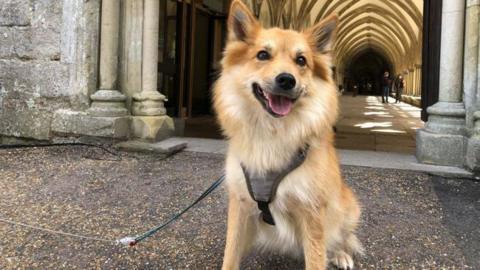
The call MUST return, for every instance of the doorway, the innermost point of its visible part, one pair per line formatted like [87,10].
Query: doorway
[190,43]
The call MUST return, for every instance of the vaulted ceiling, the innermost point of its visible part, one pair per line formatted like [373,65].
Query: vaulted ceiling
[392,28]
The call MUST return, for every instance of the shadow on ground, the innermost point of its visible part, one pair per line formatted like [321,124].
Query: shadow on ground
[410,220]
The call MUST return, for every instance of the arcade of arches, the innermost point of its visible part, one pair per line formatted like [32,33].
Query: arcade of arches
[140,69]
[373,36]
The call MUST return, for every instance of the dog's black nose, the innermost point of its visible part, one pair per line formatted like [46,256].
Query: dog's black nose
[285,81]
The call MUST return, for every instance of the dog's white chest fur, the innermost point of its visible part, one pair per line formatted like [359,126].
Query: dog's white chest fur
[284,235]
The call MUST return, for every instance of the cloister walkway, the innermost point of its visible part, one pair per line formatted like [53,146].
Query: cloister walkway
[365,123]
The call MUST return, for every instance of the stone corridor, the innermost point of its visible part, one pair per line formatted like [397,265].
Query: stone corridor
[365,123]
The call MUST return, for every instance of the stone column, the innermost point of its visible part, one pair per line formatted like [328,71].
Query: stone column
[414,81]
[442,140]
[150,122]
[419,80]
[471,83]
[411,79]
[408,88]
[108,101]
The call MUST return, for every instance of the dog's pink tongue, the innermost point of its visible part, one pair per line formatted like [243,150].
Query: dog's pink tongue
[279,104]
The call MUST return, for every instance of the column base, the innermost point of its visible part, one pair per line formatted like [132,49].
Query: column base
[472,158]
[73,123]
[149,103]
[440,149]
[152,128]
[442,141]
[446,118]
[108,103]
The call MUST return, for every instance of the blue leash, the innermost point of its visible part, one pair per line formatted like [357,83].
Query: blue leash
[132,241]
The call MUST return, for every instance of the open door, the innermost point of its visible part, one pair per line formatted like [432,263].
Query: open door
[432,18]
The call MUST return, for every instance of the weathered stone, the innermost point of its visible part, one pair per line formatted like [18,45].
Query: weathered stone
[440,149]
[37,43]
[7,46]
[471,66]
[148,103]
[29,93]
[26,123]
[66,122]
[108,103]
[442,141]
[15,12]
[47,13]
[472,157]
[446,118]
[79,49]
[163,147]
[39,78]
[37,39]
[153,128]
[130,75]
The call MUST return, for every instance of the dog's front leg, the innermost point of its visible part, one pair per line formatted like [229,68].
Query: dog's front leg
[239,232]
[314,242]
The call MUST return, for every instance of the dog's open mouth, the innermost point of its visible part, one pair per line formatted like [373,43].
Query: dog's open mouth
[276,105]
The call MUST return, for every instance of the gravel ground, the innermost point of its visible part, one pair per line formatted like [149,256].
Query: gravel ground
[411,220]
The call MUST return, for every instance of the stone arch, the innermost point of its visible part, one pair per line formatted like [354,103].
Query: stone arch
[387,15]
[393,28]
[373,44]
[366,30]
[365,38]
[388,29]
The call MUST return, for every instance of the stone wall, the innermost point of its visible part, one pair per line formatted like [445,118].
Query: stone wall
[47,62]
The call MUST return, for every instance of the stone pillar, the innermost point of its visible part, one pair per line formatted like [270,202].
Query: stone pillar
[107,116]
[415,83]
[419,80]
[408,83]
[411,80]
[471,83]
[150,121]
[442,140]
[108,101]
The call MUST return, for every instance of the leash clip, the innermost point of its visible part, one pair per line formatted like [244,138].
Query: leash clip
[127,241]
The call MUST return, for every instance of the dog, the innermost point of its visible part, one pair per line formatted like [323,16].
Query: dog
[275,98]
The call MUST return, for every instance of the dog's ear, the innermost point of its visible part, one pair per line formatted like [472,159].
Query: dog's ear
[241,22]
[322,35]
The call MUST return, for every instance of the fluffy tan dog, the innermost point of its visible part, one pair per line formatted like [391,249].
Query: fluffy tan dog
[276,97]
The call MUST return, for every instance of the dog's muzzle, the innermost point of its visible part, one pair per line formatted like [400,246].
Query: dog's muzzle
[277,101]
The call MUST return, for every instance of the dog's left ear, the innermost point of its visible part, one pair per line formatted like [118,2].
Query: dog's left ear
[242,25]
[322,35]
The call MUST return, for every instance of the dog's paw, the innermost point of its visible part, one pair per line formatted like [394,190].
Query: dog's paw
[342,260]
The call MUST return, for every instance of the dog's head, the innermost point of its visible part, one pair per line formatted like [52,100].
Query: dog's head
[276,74]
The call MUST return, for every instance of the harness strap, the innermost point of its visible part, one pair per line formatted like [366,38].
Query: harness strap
[266,214]
[262,188]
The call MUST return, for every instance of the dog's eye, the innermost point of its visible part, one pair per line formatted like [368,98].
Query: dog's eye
[263,55]
[301,61]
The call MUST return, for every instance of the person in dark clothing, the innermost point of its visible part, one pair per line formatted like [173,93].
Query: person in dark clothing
[386,82]
[400,86]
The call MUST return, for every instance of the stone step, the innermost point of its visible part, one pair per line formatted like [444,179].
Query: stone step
[166,147]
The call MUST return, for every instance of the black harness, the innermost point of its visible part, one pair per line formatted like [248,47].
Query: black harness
[263,188]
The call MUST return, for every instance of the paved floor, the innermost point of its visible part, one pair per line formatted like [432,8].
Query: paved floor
[410,220]
[363,158]
[365,123]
